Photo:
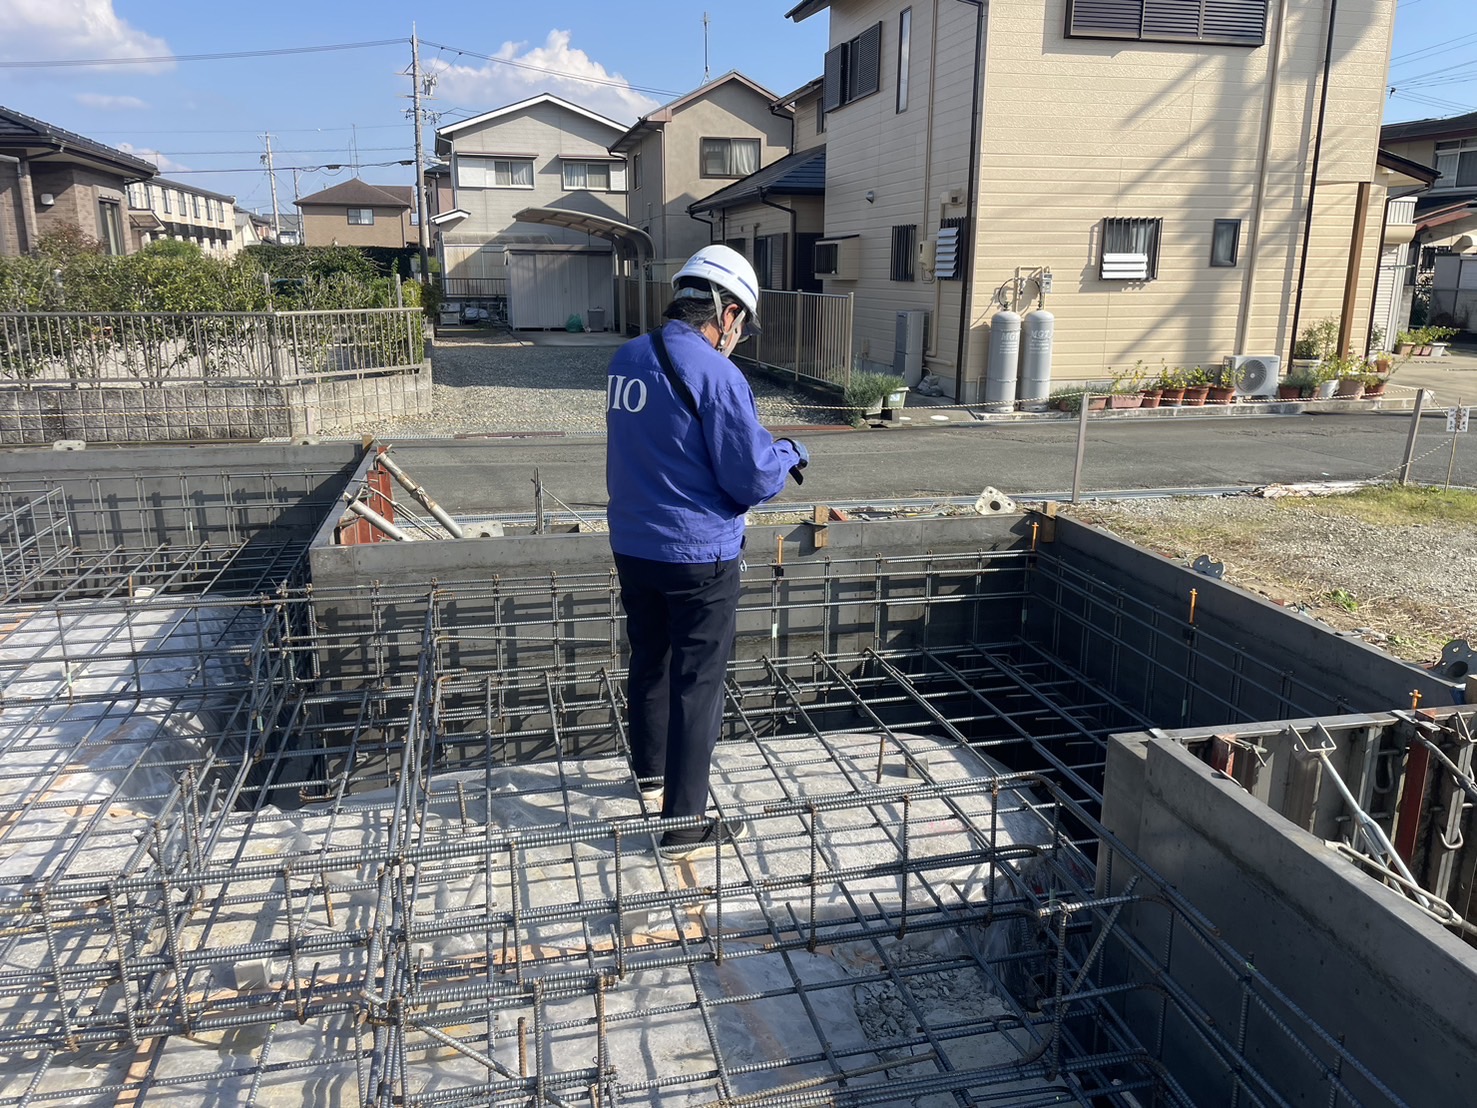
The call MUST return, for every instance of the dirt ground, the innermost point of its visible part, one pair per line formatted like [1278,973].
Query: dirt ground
[1397,567]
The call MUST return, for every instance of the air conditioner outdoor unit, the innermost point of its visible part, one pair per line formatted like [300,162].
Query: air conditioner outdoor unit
[1256,374]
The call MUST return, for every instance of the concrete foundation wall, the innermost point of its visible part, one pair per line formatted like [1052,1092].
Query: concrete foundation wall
[1360,960]
[139,498]
[31,416]
[851,595]
[1243,659]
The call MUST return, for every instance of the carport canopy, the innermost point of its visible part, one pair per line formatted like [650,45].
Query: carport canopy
[622,235]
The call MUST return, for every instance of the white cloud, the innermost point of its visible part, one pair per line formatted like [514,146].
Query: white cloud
[166,165]
[104,102]
[39,30]
[554,67]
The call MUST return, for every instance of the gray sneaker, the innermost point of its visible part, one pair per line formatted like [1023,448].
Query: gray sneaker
[701,842]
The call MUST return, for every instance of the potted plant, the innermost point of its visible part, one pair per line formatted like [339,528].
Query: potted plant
[1197,387]
[1223,387]
[1069,399]
[865,394]
[1405,343]
[1298,384]
[1124,391]
[1348,377]
[1438,337]
[1171,385]
[1374,383]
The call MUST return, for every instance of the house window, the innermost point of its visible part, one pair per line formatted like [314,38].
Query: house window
[904,247]
[361,217]
[740,245]
[195,205]
[110,226]
[1130,249]
[1230,22]
[587,176]
[730,157]
[494,173]
[136,197]
[820,116]
[164,195]
[904,48]
[853,69]
[1457,164]
[636,170]
[1225,243]
[770,252]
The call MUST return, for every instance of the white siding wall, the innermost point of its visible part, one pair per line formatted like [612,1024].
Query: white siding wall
[547,132]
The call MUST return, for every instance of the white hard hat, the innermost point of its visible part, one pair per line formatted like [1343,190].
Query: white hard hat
[727,269]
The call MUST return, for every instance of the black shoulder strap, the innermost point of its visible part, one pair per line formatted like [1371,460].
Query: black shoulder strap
[679,386]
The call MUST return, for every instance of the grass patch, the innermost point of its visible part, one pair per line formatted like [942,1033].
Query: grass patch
[1396,505]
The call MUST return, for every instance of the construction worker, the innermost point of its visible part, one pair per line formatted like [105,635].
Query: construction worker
[685,458]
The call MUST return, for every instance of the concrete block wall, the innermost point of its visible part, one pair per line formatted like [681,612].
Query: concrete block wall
[1360,960]
[32,416]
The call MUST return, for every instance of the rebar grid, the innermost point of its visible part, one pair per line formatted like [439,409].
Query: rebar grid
[425,877]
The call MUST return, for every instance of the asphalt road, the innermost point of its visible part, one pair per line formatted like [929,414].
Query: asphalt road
[1020,459]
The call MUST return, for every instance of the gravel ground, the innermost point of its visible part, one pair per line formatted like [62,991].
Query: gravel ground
[1408,588]
[490,382]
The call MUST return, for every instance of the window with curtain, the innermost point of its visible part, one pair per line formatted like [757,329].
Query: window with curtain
[587,176]
[1130,249]
[729,157]
[494,173]
[361,217]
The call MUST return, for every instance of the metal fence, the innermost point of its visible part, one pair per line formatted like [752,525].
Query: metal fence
[474,288]
[87,349]
[806,334]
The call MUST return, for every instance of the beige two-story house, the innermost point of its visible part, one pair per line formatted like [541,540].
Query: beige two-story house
[541,153]
[684,151]
[777,215]
[356,213]
[1145,170]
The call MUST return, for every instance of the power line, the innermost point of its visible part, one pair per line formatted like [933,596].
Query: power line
[254,130]
[297,150]
[607,81]
[67,63]
[300,168]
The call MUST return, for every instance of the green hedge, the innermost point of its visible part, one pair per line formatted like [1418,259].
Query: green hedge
[69,273]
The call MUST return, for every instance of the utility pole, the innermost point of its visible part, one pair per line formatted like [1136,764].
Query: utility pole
[422,237]
[302,236]
[272,178]
[706,70]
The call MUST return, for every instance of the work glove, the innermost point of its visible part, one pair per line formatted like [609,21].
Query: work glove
[804,461]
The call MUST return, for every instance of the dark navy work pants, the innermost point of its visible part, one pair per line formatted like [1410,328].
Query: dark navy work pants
[680,621]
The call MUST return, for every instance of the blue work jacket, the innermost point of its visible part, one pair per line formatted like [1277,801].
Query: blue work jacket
[679,486]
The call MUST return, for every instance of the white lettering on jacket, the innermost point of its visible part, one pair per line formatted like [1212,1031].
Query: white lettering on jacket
[625,394]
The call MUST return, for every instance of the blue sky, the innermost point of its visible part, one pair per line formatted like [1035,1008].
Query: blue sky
[198,117]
